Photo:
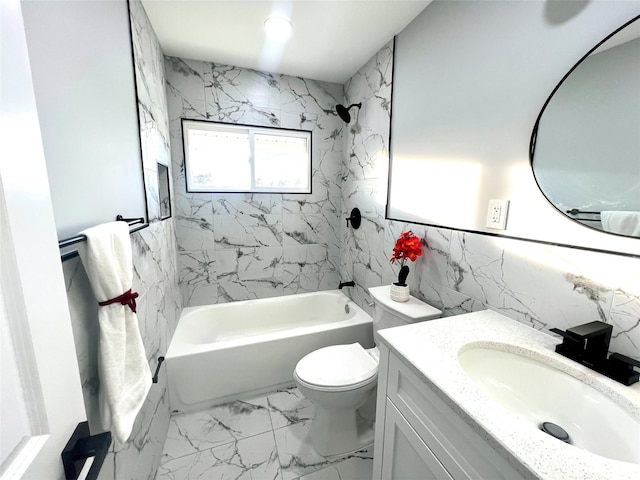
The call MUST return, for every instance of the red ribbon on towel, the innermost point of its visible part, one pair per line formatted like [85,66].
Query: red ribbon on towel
[127,298]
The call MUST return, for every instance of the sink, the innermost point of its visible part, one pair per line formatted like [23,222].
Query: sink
[537,392]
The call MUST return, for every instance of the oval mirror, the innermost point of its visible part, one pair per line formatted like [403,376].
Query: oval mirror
[585,146]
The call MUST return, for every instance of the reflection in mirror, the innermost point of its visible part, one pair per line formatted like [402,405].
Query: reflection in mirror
[585,147]
[163,191]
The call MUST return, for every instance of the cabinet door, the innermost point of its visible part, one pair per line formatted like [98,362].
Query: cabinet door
[405,455]
[462,449]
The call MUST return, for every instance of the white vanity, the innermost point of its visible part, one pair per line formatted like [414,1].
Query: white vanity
[435,422]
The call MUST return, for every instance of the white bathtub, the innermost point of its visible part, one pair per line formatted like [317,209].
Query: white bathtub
[224,352]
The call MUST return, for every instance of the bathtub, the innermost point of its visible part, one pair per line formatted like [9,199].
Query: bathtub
[232,350]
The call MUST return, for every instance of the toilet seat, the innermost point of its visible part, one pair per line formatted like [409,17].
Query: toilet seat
[337,367]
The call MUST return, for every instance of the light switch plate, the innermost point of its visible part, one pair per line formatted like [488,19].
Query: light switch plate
[497,214]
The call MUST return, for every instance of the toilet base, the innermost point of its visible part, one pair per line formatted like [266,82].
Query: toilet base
[336,432]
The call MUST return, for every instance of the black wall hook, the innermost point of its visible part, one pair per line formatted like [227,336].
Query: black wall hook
[355,218]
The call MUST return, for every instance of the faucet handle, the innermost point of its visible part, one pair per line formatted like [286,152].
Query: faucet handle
[560,332]
[620,368]
[572,345]
[569,336]
[624,360]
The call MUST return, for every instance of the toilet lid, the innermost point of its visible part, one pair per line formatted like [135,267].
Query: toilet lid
[337,366]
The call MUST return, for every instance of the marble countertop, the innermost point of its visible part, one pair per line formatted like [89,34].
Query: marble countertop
[431,348]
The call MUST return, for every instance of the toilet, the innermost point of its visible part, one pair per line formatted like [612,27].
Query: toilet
[341,379]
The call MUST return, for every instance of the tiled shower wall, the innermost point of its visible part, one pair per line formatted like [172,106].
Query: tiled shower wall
[154,278]
[539,285]
[245,246]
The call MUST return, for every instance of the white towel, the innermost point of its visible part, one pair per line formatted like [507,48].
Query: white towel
[624,223]
[125,377]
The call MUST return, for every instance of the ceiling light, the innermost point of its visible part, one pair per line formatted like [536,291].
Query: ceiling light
[277,28]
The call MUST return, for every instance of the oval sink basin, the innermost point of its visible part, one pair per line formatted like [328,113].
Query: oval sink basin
[539,393]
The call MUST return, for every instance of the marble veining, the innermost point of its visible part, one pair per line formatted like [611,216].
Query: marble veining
[265,437]
[541,286]
[231,227]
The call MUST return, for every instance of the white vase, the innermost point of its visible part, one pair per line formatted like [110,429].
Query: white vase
[399,293]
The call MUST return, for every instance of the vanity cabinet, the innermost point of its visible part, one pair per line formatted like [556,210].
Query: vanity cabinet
[420,436]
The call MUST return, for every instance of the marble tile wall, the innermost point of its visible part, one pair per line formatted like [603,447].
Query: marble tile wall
[155,278]
[540,285]
[245,246]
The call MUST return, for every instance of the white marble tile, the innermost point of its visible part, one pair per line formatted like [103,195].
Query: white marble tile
[228,87]
[307,258]
[329,280]
[254,230]
[300,95]
[298,458]
[625,317]
[247,203]
[249,263]
[200,431]
[197,276]
[230,290]
[296,282]
[314,203]
[195,232]
[185,89]
[288,407]
[252,458]
[357,466]
[194,205]
[138,459]
[302,229]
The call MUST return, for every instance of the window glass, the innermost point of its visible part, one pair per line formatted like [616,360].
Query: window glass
[229,158]
[281,162]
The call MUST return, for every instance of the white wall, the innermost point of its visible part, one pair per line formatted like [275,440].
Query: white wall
[81,58]
[470,79]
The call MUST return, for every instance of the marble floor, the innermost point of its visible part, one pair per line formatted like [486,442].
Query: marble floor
[263,438]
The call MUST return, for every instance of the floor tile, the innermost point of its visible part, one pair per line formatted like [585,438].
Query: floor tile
[253,458]
[356,466]
[199,431]
[288,407]
[263,438]
[298,458]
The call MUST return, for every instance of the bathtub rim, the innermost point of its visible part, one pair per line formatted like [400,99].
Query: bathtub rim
[176,350]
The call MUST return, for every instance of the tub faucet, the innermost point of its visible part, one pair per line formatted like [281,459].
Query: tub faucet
[350,283]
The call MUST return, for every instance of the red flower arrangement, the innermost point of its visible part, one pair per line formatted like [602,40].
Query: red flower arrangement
[408,246]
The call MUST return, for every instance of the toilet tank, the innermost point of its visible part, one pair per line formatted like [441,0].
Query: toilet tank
[388,313]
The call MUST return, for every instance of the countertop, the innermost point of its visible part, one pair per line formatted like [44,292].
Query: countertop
[431,349]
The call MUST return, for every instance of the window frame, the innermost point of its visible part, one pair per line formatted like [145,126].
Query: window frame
[252,130]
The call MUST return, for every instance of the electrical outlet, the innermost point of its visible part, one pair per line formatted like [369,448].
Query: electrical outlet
[497,214]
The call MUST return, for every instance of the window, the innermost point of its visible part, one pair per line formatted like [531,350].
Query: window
[222,157]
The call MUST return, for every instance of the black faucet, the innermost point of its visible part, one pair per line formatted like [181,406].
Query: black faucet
[350,283]
[588,345]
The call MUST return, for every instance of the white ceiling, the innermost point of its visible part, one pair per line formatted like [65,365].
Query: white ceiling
[331,39]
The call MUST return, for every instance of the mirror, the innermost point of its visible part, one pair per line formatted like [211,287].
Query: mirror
[585,146]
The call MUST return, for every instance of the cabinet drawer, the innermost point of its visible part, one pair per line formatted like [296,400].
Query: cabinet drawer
[460,448]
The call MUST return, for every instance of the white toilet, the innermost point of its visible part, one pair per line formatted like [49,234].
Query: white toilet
[341,378]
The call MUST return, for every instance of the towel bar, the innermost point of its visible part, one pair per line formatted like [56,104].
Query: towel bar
[575,211]
[81,238]
[81,446]
[155,377]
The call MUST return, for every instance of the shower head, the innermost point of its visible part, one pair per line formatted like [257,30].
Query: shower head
[343,111]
